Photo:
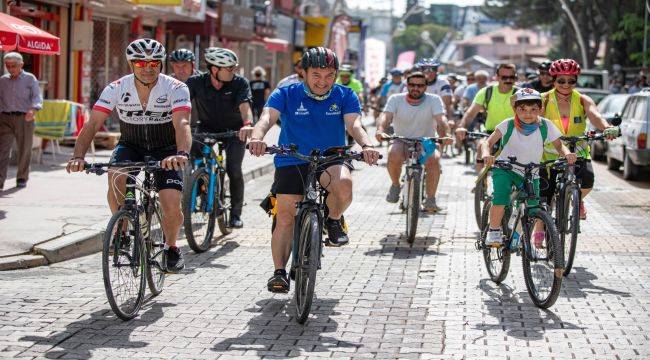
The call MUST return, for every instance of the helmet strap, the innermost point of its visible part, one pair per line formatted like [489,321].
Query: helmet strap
[148,85]
[317,97]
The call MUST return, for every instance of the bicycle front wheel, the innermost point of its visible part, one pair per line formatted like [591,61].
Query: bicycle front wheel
[497,259]
[543,261]
[155,255]
[308,261]
[198,220]
[413,209]
[570,226]
[123,265]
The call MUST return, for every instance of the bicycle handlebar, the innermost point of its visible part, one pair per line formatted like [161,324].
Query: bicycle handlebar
[100,168]
[216,136]
[590,135]
[316,157]
[507,164]
[438,140]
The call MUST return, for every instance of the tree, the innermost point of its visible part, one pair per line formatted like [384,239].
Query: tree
[599,21]
[411,39]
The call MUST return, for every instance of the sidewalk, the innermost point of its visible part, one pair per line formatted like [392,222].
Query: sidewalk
[59,209]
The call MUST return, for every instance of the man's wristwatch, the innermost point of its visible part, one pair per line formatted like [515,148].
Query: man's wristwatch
[183,153]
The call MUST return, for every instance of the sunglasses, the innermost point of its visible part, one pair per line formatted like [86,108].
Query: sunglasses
[146,63]
[420,86]
[562,82]
[503,77]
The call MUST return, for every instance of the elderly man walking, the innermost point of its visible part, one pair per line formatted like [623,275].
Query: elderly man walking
[20,98]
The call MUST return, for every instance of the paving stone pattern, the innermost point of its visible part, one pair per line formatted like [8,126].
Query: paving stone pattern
[376,298]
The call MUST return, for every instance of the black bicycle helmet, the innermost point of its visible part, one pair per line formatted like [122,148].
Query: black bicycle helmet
[319,57]
[181,55]
[545,65]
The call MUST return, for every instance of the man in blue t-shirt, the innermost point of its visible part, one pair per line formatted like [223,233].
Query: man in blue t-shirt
[315,114]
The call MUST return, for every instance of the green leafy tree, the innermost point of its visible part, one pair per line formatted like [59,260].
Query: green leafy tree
[411,39]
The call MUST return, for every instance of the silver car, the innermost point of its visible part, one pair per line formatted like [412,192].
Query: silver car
[610,106]
[631,149]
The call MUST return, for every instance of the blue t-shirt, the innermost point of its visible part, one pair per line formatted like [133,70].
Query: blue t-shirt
[311,124]
[470,92]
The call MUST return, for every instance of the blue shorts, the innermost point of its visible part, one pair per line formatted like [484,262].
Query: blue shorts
[163,179]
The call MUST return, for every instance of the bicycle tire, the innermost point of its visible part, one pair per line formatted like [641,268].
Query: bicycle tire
[155,254]
[223,218]
[534,264]
[571,226]
[495,256]
[413,209]
[479,202]
[127,308]
[310,239]
[194,215]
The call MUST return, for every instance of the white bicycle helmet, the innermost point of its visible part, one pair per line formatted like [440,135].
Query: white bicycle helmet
[145,49]
[220,57]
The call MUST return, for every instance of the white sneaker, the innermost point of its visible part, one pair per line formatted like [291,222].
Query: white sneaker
[494,238]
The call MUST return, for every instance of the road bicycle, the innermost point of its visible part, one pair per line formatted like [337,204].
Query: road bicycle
[205,196]
[307,245]
[132,251]
[543,263]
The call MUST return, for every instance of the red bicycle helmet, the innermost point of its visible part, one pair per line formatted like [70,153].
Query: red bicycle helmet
[564,67]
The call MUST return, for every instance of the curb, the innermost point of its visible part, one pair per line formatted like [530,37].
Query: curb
[83,242]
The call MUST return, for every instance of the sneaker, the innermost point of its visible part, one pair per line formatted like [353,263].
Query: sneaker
[235,222]
[393,194]
[494,238]
[538,239]
[430,204]
[583,211]
[21,183]
[175,262]
[278,283]
[335,232]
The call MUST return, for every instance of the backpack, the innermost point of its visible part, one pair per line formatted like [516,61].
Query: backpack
[543,128]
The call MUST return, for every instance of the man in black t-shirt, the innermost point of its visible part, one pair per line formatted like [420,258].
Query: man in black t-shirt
[261,91]
[544,81]
[222,100]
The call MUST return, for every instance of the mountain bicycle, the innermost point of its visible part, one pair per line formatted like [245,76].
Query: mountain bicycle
[132,252]
[205,196]
[543,264]
[307,245]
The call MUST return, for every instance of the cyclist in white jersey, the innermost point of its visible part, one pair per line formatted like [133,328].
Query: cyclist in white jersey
[153,110]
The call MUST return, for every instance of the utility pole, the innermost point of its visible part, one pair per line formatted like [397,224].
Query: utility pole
[576,28]
[645,32]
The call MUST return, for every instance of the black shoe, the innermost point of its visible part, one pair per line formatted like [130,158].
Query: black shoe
[335,233]
[175,262]
[21,183]
[278,283]
[235,222]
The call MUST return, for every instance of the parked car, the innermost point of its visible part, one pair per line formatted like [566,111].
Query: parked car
[631,149]
[610,106]
[597,95]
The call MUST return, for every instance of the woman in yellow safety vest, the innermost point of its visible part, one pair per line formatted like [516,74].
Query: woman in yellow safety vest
[568,110]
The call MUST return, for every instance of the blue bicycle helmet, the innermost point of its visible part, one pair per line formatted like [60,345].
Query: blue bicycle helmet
[396,72]
[181,55]
[428,63]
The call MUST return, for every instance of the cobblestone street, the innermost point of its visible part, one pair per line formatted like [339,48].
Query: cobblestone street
[375,298]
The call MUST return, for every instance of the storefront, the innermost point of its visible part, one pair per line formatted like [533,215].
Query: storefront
[236,29]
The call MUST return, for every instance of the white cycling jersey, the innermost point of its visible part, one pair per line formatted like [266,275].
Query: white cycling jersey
[439,87]
[149,128]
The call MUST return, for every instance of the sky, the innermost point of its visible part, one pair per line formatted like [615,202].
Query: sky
[400,5]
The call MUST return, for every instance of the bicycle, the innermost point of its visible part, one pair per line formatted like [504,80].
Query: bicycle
[567,198]
[470,146]
[205,198]
[518,225]
[307,245]
[415,191]
[132,252]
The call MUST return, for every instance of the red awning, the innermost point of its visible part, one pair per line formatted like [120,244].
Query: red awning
[16,34]
[274,44]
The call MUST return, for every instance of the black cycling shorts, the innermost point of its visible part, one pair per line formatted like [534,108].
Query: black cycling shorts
[163,179]
[291,179]
[584,172]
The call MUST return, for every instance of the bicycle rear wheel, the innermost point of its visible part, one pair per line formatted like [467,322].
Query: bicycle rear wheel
[570,226]
[197,221]
[543,264]
[223,208]
[155,254]
[123,265]
[309,242]
[497,260]
[413,209]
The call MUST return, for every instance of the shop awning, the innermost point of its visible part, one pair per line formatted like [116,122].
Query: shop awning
[274,44]
[16,34]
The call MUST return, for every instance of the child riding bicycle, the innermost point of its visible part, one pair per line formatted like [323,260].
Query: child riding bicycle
[523,137]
